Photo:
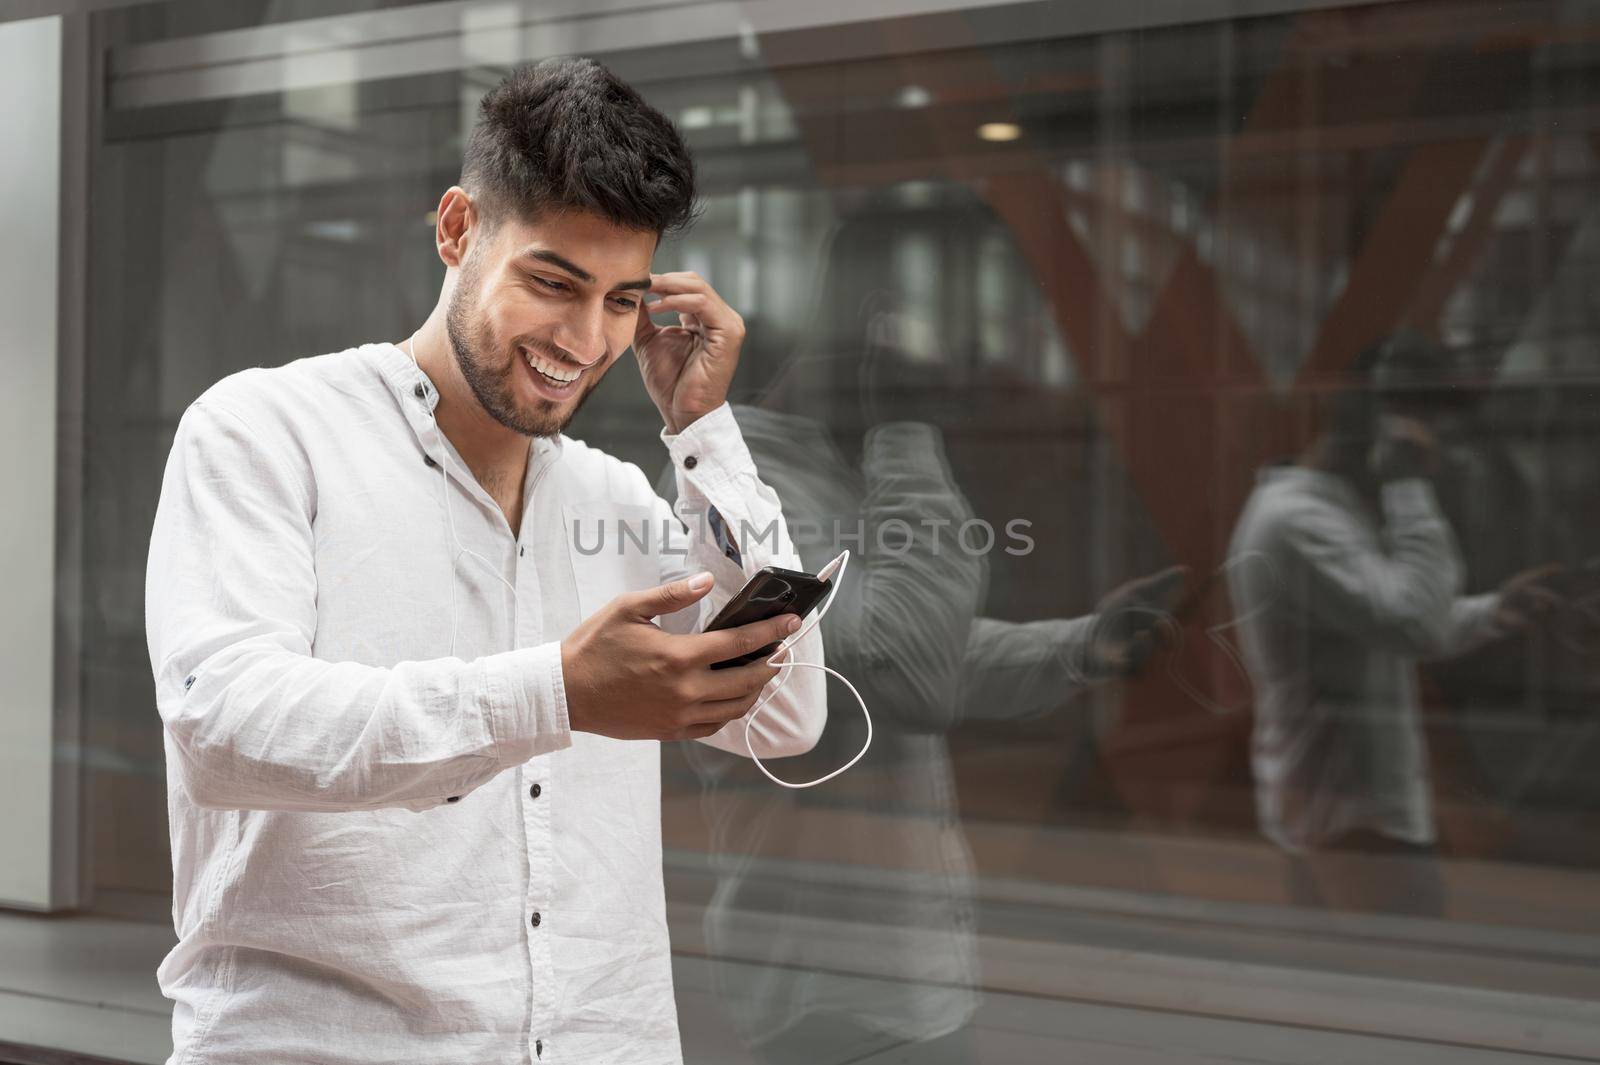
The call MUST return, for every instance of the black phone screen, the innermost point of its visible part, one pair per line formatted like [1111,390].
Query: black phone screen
[770,592]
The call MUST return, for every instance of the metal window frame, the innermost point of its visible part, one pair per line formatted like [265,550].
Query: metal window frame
[42,834]
[440,37]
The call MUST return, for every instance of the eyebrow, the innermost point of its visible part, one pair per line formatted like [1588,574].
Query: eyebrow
[575,270]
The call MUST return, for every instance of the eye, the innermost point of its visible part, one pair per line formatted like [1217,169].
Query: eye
[553,286]
[627,303]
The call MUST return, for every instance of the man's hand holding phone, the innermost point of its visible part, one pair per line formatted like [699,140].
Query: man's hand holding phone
[627,679]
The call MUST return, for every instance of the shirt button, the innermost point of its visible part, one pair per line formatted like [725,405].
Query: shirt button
[523,550]
[419,391]
[189,681]
[690,462]
[453,798]
[428,459]
[535,791]
[538,1047]
[535,919]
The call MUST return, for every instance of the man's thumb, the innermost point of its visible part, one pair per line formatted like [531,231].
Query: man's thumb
[674,596]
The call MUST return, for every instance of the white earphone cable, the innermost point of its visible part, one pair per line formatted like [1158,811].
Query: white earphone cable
[786,647]
[450,521]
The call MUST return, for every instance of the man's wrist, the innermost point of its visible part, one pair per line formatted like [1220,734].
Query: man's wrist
[710,423]
[682,421]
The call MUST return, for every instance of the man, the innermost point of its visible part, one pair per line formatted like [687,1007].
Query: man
[403,650]
[1344,573]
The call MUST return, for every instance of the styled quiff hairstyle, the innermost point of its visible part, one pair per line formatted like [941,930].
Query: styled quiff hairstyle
[568,133]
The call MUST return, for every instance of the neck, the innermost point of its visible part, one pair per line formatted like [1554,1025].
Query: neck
[1315,456]
[496,455]
[1324,454]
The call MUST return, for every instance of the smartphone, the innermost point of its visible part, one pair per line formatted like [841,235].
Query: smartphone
[771,592]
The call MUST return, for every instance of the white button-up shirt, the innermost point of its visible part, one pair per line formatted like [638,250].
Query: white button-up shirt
[383,852]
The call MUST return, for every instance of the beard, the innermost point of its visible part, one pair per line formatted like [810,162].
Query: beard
[492,377]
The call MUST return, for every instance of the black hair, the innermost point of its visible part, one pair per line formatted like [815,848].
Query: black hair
[1352,406]
[1405,373]
[1421,377]
[568,133]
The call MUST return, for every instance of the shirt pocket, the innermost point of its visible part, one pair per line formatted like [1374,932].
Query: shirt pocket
[614,548]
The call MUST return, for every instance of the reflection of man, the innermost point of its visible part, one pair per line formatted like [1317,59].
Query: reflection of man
[412,728]
[1344,573]
[871,872]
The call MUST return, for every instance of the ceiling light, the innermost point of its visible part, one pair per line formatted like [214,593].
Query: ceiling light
[698,117]
[999,131]
[913,96]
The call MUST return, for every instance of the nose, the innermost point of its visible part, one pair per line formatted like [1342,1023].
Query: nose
[583,335]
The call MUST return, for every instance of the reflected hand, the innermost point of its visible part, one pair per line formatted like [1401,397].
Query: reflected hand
[1406,447]
[1132,621]
[1577,626]
[687,367]
[1526,597]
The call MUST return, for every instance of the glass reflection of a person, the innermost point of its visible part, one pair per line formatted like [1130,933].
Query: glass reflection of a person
[871,872]
[1345,573]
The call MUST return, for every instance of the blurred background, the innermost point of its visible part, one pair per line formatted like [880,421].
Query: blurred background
[1093,265]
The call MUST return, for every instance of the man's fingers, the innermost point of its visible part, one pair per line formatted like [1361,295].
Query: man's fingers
[699,732]
[709,311]
[735,682]
[1541,597]
[1540,574]
[1529,592]
[679,281]
[643,328]
[692,302]
[666,598]
[688,291]
[724,644]
[1160,590]
[722,711]
[1165,586]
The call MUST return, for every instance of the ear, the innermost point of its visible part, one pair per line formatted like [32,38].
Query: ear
[458,224]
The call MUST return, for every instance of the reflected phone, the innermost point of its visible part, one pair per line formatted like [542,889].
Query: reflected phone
[772,591]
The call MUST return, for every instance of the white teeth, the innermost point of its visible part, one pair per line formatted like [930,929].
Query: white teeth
[550,369]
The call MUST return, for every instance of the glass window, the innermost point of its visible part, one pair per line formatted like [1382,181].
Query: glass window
[1236,695]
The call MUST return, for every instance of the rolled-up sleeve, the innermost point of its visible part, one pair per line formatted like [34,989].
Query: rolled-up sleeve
[253,720]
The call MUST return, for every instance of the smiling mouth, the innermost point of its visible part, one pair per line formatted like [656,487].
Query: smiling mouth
[557,375]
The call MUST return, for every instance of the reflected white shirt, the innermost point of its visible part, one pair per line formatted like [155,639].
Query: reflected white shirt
[383,852]
[905,630]
[1335,607]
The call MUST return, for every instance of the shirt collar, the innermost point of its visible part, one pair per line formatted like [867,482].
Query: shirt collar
[418,396]
[1324,483]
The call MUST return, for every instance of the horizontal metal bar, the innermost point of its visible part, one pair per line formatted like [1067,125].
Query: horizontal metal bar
[433,38]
